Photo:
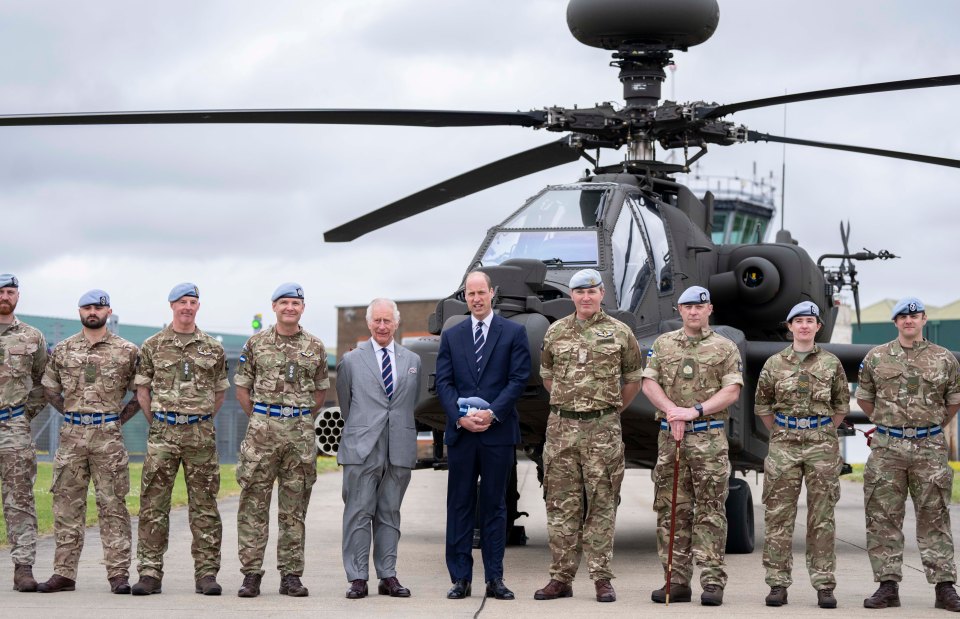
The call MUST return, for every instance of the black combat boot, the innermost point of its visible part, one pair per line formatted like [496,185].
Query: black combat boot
[887,595]
[777,596]
[947,597]
[23,579]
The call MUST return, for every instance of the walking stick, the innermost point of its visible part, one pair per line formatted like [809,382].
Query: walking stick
[673,520]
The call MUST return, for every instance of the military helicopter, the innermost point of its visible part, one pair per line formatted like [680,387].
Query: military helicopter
[647,233]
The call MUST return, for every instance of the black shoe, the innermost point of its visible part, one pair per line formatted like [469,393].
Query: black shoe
[119,585]
[208,585]
[357,590]
[496,589]
[147,585]
[251,586]
[887,595]
[290,585]
[459,590]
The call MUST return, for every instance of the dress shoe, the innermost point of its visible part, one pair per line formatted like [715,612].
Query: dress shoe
[208,585]
[947,598]
[251,586]
[678,593]
[290,585]
[778,596]
[23,579]
[119,585]
[826,599]
[57,583]
[605,592]
[712,595]
[459,590]
[392,587]
[357,590]
[554,589]
[147,585]
[887,595]
[496,589]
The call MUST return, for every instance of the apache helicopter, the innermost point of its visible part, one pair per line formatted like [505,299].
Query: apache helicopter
[646,233]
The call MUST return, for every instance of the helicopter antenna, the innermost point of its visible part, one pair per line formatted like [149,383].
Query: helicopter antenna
[783,170]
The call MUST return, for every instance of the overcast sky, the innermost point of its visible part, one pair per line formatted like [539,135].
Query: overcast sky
[237,210]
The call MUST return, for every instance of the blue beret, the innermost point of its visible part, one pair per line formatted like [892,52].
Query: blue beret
[806,308]
[9,280]
[586,278]
[94,297]
[288,290]
[186,289]
[907,305]
[694,295]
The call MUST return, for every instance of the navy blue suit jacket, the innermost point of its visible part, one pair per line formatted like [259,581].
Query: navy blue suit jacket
[500,380]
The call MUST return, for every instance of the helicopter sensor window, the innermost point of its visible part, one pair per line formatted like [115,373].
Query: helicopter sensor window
[554,247]
[560,208]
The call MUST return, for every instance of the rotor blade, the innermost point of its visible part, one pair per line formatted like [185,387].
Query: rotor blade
[515,166]
[754,136]
[856,304]
[846,91]
[409,118]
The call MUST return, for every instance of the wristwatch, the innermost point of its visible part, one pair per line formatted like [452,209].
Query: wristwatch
[699,408]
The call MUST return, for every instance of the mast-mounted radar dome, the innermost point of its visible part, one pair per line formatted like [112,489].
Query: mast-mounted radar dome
[614,24]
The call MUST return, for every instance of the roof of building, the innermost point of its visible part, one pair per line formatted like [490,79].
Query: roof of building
[880,311]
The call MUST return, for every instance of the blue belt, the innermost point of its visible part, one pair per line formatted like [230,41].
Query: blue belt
[7,414]
[694,426]
[275,410]
[802,423]
[910,432]
[90,419]
[179,419]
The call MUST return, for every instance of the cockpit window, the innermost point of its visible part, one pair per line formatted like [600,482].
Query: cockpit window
[632,265]
[554,247]
[561,208]
[659,245]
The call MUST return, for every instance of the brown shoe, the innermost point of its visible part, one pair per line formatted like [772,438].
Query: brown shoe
[147,585]
[947,598]
[23,579]
[208,585]
[290,585]
[119,585]
[57,583]
[887,595]
[392,587]
[357,590]
[605,592]
[826,599]
[712,595]
[778,596]
[678,593]
[554,589]
[251,586]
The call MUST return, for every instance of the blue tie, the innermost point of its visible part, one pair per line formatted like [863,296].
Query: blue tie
[478,341]
[386,372]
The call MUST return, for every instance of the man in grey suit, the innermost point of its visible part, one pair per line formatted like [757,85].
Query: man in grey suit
[378,384]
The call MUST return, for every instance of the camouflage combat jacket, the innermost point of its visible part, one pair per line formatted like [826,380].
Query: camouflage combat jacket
[909,392]
[23,357]
[586,360]
[283,369]
[815,386]
[93,378]
[693,370]
[184,377]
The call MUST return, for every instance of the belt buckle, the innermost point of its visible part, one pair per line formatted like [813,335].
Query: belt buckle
[803,423]
[690,425]
[182,420]
[86,419]
[910,432]
[286,411]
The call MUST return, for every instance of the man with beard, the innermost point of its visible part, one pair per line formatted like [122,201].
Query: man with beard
[181,383]
[87,377]
[23,356]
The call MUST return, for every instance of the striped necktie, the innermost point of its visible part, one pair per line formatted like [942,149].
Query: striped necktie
[386,372]
[478,341]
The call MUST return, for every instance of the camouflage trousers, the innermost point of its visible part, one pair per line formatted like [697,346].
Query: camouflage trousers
[18,472]
[281,450]
[582,474]
[91,452]
[810,456]
[700,531]
[919,467]
[169,446]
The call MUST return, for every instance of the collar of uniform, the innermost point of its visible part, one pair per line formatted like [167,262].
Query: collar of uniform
[897,348]
[681,336]
[107,336]
[276,336]
[790,353]
[600,315]
[170,334]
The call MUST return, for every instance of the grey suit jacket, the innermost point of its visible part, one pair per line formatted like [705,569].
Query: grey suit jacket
[366,409]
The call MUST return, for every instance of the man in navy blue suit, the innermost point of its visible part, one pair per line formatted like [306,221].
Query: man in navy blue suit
[485,357]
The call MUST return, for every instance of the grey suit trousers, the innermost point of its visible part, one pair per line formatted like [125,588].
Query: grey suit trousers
[372,493]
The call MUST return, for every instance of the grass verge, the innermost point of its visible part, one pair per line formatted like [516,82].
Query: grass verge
[857,476]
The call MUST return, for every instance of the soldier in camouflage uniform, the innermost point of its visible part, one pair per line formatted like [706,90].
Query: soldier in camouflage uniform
[692,376]
[910,388]
[87,377]
[23,356]
[585,357]
[802,396]
[181,384]
[281,377]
